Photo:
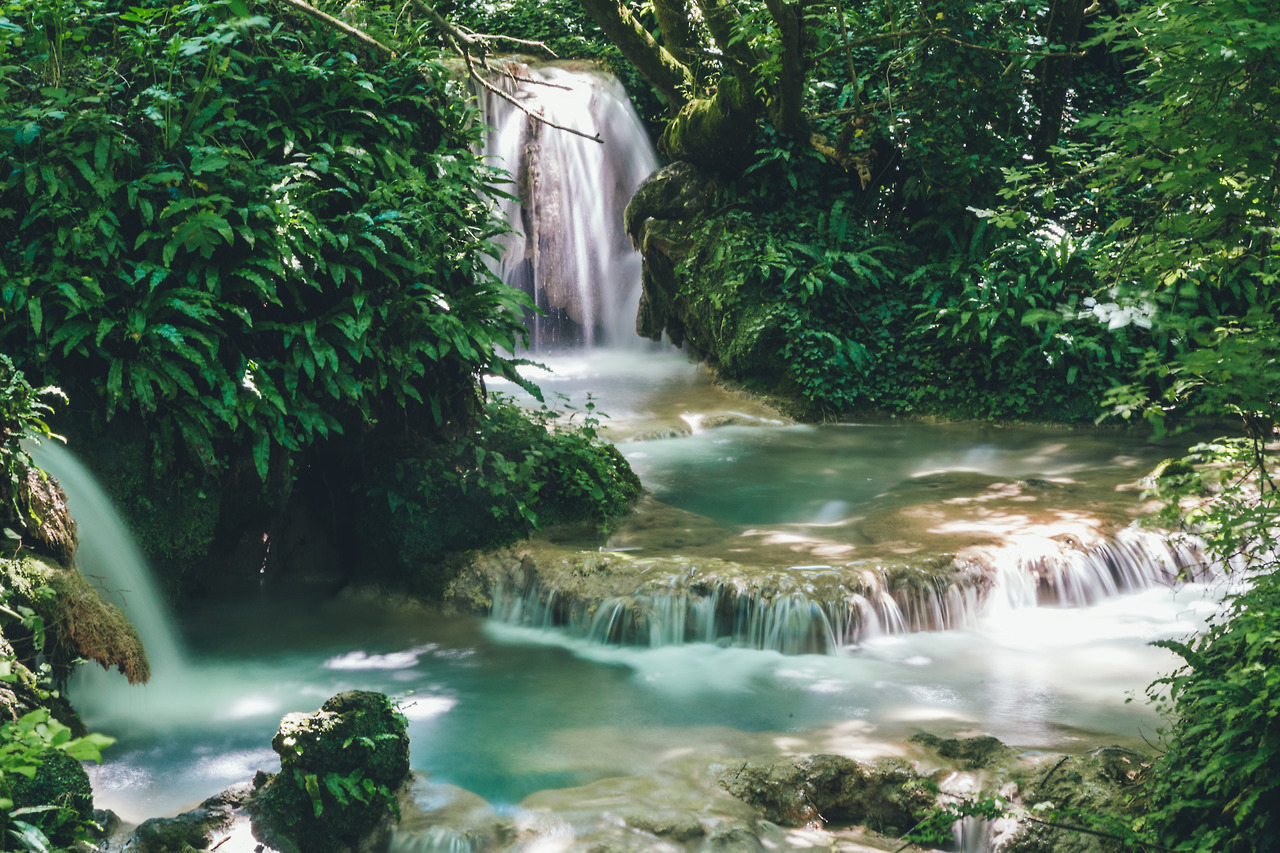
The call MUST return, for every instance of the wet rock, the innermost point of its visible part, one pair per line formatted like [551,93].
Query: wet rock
[824,789]
[340,770]
[193,830]
[45,518]
[1096,783]
[677,191]
[974,753]
[445,817]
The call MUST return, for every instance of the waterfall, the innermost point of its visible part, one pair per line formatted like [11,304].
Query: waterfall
[828,609]
[109,559]
[567,247]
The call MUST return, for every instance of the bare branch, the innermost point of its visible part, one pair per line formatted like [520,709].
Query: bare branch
[506,96]
[526,42]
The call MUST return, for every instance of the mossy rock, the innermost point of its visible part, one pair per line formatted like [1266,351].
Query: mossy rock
[808,789]
[62,782]
[340,768]
[193,830]
[973,753]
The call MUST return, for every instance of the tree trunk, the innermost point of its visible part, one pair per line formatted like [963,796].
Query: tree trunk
[668,75]
[1053,74]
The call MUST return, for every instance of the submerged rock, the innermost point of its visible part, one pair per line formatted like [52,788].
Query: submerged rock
[974,753]
[1095,783]
[821,789]
[341,768]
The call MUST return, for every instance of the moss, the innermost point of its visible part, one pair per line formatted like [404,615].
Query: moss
[339,770]
[59,781]
[46,518]
[716,132]
[78,622]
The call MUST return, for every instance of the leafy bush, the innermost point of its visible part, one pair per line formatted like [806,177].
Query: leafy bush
[22,417]
[241,230]
[518,471]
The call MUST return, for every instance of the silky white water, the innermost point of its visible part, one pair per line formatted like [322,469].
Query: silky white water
[567,247]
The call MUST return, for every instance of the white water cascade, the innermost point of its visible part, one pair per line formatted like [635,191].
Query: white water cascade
[837,608]
[567,247]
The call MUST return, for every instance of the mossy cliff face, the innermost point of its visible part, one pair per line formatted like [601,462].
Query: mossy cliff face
[735,326]
[78,623]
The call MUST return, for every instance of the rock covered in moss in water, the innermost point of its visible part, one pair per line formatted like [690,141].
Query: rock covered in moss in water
[1097,783]
[806,789]
[340,769]
[60,781]
[973,753]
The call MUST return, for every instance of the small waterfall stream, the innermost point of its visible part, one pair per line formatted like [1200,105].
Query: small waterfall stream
[110,558]
[838,609]
[567,246]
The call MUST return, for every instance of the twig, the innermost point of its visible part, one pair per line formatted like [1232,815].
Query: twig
[525,42]
[1045,780]
[343,26]
[463,43]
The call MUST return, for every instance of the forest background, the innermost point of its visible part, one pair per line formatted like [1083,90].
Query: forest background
[247,243]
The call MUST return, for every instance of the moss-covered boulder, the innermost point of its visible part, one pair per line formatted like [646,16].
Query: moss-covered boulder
[971,753]
[61,782]
[1101,782]
[340,769]
[807,789]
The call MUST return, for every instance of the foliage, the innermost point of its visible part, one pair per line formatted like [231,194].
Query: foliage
[517,472]
[22,418]
[1215,788]
[340,768]
[240,230]
[45,797]
[563,29]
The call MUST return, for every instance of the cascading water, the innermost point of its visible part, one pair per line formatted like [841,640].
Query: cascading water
[110,559]
[1040,651]
[567,247]
[836,610]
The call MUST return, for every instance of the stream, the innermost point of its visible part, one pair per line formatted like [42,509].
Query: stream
[505,711]
[522,719]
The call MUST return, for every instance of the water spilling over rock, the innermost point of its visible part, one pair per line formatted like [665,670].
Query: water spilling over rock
[567,247]
[655,602]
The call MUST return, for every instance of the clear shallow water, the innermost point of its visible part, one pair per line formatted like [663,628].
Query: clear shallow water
[506,711]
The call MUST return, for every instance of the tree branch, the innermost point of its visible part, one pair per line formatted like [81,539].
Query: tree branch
[506,96]
[343,26]
[465,43]
[671,77]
